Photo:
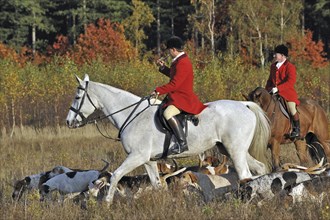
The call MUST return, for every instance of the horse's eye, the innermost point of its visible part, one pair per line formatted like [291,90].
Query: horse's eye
[77,97]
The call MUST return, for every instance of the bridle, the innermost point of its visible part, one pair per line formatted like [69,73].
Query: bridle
[77,111]
[129,119]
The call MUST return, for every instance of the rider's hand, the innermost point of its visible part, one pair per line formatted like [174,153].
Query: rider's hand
[274,90]
[160,62]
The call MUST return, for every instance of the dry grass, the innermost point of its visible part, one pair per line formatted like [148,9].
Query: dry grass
[30,152]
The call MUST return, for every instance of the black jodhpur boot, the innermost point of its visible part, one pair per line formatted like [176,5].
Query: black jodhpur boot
[177,129]
[295,127]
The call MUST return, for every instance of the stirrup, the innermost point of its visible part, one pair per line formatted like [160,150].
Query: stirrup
[294,135]
[177,149]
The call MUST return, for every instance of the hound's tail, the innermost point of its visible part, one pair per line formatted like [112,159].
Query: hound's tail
[106,166]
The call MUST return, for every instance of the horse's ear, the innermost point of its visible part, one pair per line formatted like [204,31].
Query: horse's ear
[86,78]
[77,78]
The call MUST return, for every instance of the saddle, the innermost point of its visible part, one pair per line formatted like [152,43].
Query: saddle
[283,106]
[163,126]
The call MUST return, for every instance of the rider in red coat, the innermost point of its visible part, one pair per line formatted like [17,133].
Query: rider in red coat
[180,93]
[281,80]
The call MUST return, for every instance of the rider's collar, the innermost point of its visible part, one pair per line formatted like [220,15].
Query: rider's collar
[175,58]
[279,64]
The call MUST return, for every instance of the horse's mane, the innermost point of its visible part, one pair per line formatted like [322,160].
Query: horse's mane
[113,89]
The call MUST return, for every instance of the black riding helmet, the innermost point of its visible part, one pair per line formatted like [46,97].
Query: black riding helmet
[174,42]
[282,49]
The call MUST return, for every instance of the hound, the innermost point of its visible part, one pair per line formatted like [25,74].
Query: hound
[267,186]
[210,186]
[166,168]
[312,190]
[71,182]
[128,185]
[210,166]
[317,169]
[33,182]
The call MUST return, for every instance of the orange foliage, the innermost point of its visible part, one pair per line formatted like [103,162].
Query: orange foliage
[60,47]
[8,53]
[104,40]
[25,55]
[307,50]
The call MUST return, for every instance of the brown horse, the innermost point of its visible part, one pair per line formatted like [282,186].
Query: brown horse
[314,127]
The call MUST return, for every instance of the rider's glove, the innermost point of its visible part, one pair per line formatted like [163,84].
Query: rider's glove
[154,94]
[274,90]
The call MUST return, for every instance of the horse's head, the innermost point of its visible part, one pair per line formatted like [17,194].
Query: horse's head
[259,96]
[82,105]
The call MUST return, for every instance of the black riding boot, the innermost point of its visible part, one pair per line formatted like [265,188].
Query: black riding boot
[295,127]
[177,129]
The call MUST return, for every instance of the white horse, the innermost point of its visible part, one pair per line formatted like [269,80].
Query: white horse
[241,132]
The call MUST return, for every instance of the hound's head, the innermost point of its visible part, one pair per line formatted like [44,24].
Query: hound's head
[19,187]
[102,181]
[165,168]
[188,179]
[211,161]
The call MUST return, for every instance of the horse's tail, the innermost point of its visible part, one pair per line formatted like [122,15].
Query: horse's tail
[262,132]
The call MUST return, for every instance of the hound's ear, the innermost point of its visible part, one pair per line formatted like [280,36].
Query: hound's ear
[193,177]
[78,79]
[86,78]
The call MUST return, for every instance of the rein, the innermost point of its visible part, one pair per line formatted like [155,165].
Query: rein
[273,111]
[129,119]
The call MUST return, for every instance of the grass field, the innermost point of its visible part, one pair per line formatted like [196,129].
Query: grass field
[32,151]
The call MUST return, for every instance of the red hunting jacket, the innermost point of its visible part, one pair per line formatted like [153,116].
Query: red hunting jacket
[284,79]
[180,88]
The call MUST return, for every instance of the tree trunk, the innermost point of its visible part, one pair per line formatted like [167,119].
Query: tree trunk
[13,118]
[261,53]
[172,20]
[33,36]
[282,20]
[211,27]
[158,28]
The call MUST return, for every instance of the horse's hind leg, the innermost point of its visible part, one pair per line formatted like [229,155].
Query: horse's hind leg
[301,148]
[238,155]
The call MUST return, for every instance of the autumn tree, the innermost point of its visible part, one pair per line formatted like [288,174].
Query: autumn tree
[135,24]
[305,50]
[203,20]
[103,40]
[262,24]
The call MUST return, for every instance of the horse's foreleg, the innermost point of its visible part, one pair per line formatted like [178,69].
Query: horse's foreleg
[131,162]
[301,148]
[153,173]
